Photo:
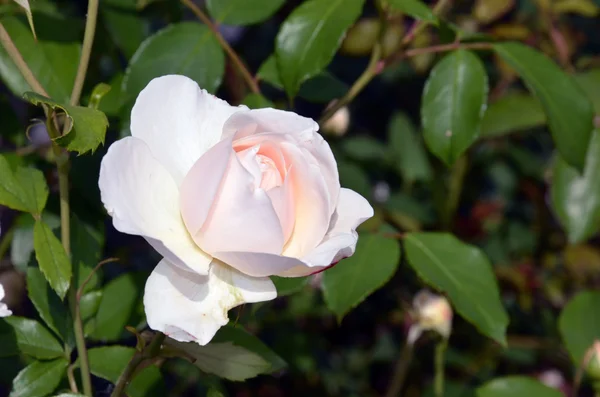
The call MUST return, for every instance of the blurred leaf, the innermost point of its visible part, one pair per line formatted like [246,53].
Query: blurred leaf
[348,283]
[567,108]
[512,113]
[454,100]
[49,306]
[53,62]
[20,193]
[225,360]
[453,389]
[240,337]
[309,38]
[587,8]
[109,362]
[322,88]
[34,339]
[214,393]
[87,244]
[486,11]
[89,304]
[364,148]
[126,28]
[289,285]
[8,340]
[516,386]
[590,83]
[119,298]
[185,48]
[257,101]
[415,8]
[242,12]
[407,148]
[99,92]
[27,8]
[464,273]
[39,378]
[576,197]
[52,258]
[354,177]
[578,324]
[87,128]
[421,210]
[112,102]
[21,246]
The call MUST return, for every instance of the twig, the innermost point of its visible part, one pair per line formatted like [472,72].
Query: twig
[419,24]
[400,371]
[88,41]
[252,84]
[440,354]
[455,185]
[89,277]
[17,58]
[71,378]
[151,351]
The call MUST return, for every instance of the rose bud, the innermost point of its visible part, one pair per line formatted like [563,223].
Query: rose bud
[432,313]
[338,123]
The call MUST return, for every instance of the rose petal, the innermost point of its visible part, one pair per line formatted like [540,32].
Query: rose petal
[269,120]
[241,217]
[143,200]
[190,307]
[258,264]
[178,121]
[352,210]
[4,312]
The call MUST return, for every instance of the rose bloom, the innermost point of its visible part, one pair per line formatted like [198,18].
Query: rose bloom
[228,196]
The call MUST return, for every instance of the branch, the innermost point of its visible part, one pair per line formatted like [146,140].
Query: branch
[88,41]
[252,84]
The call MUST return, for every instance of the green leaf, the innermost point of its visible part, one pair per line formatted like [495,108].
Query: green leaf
[511,386]
[52,258]
[242,12]
[364,148]
[53,62]
[34,339]
[87,126]
[8,340]
[127,29]
[87,244]
[12,194]
[454,100]
[309,38]
[289,285]
[89,304]
[112,102]
[407,149]
[21,246]
[590,83]
[118,301]
[212,392]
[99,91]
[569,111]
[109,362]
[578,324]
[349,282]
[257,101]
[576,196]
[185,48]
[35,188]
[464,273]
[39,378]
[49,306]
[512,113]
[415,8]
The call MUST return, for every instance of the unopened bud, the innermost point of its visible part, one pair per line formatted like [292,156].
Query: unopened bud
[338,123]
[433,313]
[592,361]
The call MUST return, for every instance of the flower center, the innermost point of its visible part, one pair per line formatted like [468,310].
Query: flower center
[270,176]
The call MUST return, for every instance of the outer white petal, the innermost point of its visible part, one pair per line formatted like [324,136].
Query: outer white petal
[178,121]
[269,120]
[190,307]
[143,200]
[4,312]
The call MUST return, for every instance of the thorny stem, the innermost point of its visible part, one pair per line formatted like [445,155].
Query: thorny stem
[400,371]
[252,84]
[151,351]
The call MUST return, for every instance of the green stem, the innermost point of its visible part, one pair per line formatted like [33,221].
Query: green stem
[17,58]
[455,185]
[400,371]
[151,351]
[440,353]
[246,75]
[88,41]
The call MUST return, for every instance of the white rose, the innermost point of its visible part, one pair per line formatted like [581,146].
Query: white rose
[228,196]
